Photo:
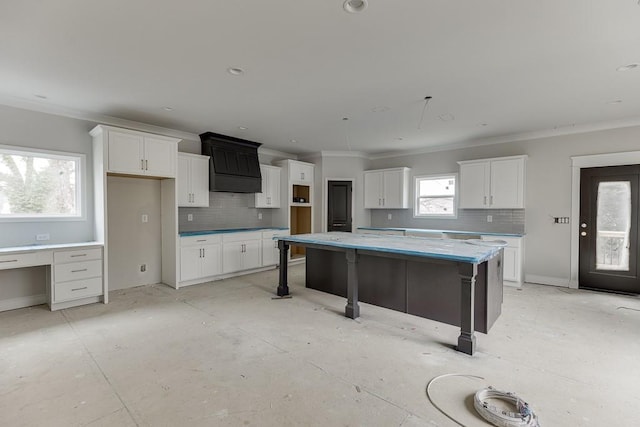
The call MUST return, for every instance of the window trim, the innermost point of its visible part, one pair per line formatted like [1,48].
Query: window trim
[81,179]
[416,181]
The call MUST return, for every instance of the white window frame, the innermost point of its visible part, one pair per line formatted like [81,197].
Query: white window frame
[79,158]
[417,179]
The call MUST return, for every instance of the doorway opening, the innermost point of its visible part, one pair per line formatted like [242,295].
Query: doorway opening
[339,206]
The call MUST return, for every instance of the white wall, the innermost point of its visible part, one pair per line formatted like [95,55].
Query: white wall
[38,130]
[548,188]
[132,242]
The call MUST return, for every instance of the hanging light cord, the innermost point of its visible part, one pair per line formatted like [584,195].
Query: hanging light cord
[426,102]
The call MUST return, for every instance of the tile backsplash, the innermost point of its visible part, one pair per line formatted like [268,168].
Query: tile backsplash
[503,220]
[226,210]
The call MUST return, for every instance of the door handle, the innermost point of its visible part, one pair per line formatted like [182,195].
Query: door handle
[339,225]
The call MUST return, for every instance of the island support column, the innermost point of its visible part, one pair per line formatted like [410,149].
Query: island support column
[352,310]
[283,286]
[467,338]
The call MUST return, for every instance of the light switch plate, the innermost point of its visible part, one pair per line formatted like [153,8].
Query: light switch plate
[145,218]
[44,236]
[389,216]
[489,218]
[189,217]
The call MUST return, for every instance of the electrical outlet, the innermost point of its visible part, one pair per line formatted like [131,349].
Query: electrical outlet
[259,215]
[44,236]
[189,217]
[145,218]
[389,216]
[143,268]
[489,218]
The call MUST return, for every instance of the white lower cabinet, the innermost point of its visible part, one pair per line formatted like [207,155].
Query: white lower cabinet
[76,274]
[513,258]
[200,257]
[241,251]
[270,251]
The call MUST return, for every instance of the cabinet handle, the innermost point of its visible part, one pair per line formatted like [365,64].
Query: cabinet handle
[379,202]
[268,200]
[383,203]
[78,271]
[11,260]
[78,289]
[146,164]
[485,200]
[142,164]
[491,200]
[78,255]
[302,175]
[203,253]
[201,240]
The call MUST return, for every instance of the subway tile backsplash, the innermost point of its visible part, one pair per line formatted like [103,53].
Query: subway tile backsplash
[503,220]
[226,210]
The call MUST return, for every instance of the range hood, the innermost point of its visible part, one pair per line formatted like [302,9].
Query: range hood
[233,163]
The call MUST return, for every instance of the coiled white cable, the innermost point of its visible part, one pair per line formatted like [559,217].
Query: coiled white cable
[525,417]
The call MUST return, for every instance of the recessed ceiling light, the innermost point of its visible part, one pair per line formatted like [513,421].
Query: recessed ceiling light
[40,96]
[399,138]
[235,71]
[168,109]
[483,124]
[293,141]
[243,127]
[615,101]
[627,67]
[446,117]
[355,6]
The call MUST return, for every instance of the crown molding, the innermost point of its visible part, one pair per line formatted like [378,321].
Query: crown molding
[525,136]
[276,153]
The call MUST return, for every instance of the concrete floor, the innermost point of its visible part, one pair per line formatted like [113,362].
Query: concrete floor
[226,354]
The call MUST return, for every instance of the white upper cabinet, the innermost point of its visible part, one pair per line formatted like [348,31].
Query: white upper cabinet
[386,189]
[300,172]
[497,183]
[193,180]
[270,196]
[140,153]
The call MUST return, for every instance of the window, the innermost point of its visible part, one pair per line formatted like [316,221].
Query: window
[37,184]
[436,196]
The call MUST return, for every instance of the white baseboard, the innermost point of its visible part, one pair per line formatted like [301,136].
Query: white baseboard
[547,280]
[21,302]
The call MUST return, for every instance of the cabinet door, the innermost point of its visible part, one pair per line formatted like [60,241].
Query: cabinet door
[270,252]
[200,182]
[126,153]
[474,185]
[300,172]
[507,184]
[373,190]
[183,181]
[273,189]
[211,260]
[232,253]
[394,194]
[160,157]
[261,198]
[190,263]
[252,256]
[510,264]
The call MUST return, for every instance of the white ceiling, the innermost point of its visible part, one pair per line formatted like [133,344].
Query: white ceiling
[515,66]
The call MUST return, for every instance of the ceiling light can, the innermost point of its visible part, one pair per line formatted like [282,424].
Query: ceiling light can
[355,6]
[235,71]
[627,67]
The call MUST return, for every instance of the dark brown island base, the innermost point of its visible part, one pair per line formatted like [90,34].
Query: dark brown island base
[450,281]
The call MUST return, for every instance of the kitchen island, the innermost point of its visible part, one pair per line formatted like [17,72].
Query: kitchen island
[451,281]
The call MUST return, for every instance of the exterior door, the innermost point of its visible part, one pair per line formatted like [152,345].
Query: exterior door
[339,214]
[609,229]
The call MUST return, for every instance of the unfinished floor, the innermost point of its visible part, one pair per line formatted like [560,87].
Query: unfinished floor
[226,354]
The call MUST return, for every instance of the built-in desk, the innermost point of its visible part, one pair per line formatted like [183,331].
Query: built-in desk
[74,273]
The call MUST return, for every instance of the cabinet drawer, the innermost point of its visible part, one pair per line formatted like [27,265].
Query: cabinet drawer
[270,234]
[77,270]
[77,255]
[204,239]
[77,289]
[25,259]
[242,236]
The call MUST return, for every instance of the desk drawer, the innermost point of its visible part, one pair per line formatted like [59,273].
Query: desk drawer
[25,259]
[77,289]
[77,270]
[77,255]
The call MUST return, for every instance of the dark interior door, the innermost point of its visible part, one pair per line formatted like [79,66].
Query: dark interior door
[339,206]
[608,257]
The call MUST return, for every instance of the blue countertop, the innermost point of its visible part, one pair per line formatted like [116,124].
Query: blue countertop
[471,251]
[228,230]
[428,230]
